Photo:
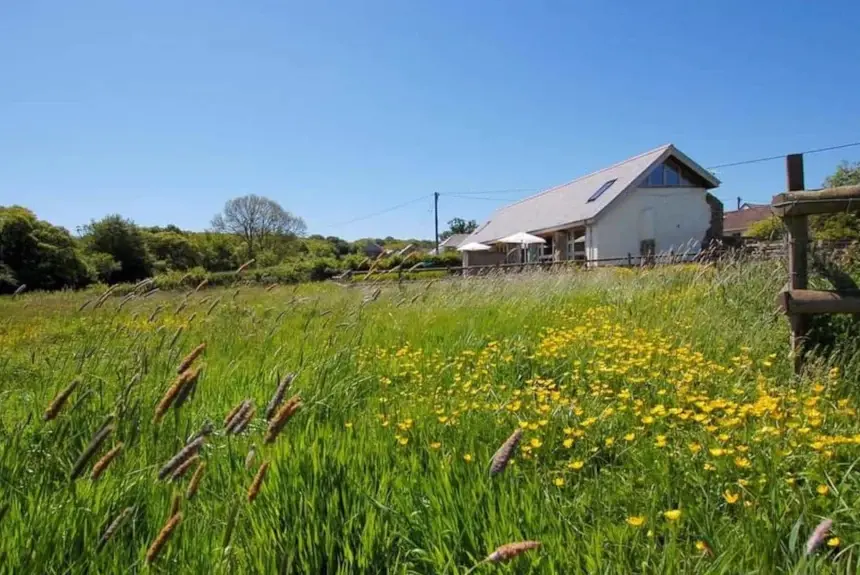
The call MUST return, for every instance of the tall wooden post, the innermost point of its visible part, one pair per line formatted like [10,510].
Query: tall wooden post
[798,271]
[436,218]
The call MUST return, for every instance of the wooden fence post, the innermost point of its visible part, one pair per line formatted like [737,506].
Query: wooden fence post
[798,271]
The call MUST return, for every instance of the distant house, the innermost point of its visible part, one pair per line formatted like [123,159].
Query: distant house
[654,202]
[452,242]
[737,222]
[372,250]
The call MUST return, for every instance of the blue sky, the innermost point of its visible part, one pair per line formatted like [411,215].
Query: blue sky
[162,110]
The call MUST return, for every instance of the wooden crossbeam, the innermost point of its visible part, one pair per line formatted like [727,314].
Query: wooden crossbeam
[810,302]
[824,201]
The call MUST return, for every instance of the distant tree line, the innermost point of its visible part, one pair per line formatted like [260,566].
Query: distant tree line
[42,256]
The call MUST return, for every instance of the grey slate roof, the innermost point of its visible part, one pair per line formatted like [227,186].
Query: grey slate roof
[567,204]
[453,241]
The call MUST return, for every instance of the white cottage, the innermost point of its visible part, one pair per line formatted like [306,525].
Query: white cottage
[655,202]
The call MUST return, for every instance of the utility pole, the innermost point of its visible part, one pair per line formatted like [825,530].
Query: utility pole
[436,216]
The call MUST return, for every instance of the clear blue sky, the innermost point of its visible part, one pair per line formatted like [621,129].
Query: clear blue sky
[161,110]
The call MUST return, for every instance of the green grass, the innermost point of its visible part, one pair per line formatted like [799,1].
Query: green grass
[371,474]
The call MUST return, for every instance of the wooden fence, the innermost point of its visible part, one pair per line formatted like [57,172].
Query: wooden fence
[630,260]
[795,206]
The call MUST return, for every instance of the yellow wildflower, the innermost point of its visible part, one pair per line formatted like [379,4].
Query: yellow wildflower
[730,497]
[636,521]
[672,514]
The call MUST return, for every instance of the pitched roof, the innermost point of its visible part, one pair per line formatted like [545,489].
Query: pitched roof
[566,204]
[740,220]
[453,241]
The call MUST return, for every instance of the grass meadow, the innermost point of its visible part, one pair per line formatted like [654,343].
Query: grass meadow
[662,430]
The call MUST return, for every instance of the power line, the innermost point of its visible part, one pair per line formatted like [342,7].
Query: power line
[779,157]
[505,191]
[385,211]
[462,197]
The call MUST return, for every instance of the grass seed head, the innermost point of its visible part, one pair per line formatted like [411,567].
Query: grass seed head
[278,396]
[505,452]
[194,484]
[114,526]
[212,307]
[191,449]
[818,536]
[282,417]
[254,490]
[240,414]
[170,395]
[60,400]
[175,504]
[163,537]
[188,388]
[510,550]
[90,450]
[245,265]
[232,413]
[243,422]
[103,463]
[190,358]
[183,468]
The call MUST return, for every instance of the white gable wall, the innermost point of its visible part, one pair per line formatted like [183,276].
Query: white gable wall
[673,215]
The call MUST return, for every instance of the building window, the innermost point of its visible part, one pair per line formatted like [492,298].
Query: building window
[670,174]
[600,190]
[655,178]
[671,177]
[647,248]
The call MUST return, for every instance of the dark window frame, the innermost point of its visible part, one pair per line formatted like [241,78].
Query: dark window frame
[686,176]
[603,187]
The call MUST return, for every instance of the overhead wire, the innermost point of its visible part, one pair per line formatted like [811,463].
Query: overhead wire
[384,211]
[780,156]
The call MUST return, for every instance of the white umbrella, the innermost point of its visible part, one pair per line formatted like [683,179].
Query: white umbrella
[474,247]
[522,238]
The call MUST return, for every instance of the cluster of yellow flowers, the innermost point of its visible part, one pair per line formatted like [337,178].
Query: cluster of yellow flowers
[590,388]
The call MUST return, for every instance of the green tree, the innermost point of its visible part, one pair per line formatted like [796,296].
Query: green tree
[218,252]
[124,242]
[768,229]
[37,253]
[258,222]
[173,250]
[842,226]
[459,226]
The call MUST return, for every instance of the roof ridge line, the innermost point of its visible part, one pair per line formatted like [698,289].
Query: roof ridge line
[615,165]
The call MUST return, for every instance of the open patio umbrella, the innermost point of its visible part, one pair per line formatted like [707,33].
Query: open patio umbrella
[474,247]
[522,239]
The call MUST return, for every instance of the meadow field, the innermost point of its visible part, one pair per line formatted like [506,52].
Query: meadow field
[661,428]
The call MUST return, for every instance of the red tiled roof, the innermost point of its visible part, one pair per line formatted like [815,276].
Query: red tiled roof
[740,220]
